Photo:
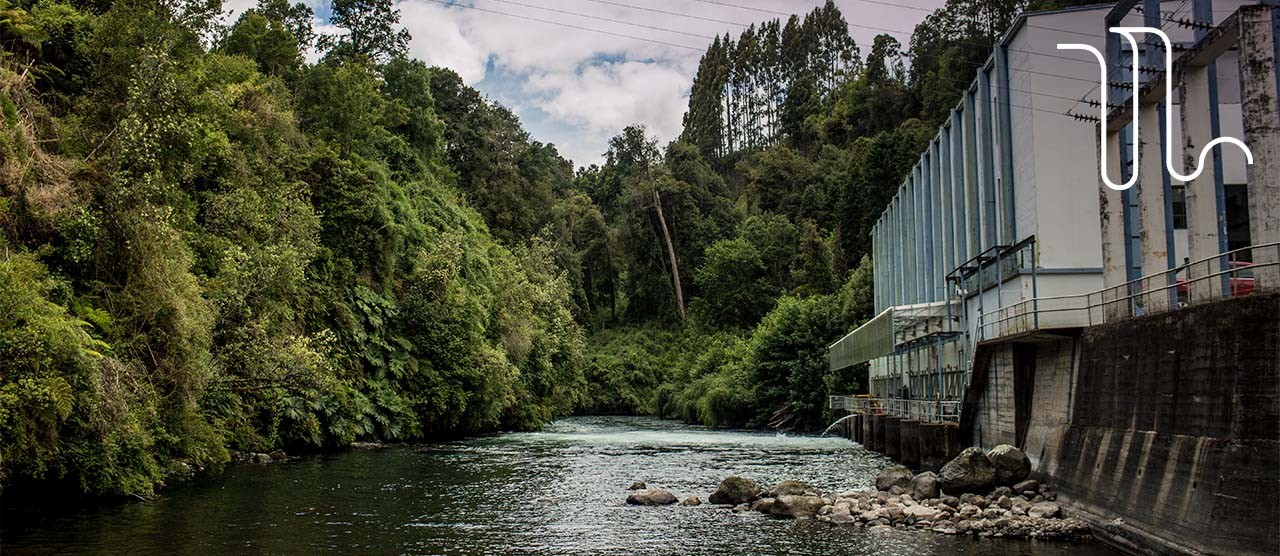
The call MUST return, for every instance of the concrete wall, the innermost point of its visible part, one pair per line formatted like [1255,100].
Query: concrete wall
[1170,423]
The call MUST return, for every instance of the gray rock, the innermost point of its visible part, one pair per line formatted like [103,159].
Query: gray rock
[735,490]
[1043,510]
[896,490]
[1012,466]
[791,488]
[692,501]
[797,506]
[974,499]
[890,477]
[1020,506]
[1002,491]
[1029,485]
[651,497]
[638,485]
[950,500]
[278,455]
[763,505]
[1004,502]
[260,458]
[924,486]
[970,471]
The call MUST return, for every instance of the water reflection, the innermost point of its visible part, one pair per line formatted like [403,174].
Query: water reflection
[560,491]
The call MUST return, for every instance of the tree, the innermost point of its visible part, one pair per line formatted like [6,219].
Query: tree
[372,32]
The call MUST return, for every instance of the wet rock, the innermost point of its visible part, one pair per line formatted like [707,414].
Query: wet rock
[1043,510]
[797,506]
[974,499]
[890,477]
[1029,485]
[260,458]
[921,512]
[651,497]
[1020,506]
[638,485]
[691,501]
[1011,465]
[791,488]
[841,516]
[735,490]
[740,508]
[763,505]
[278,455]
[970,471]
[925,486]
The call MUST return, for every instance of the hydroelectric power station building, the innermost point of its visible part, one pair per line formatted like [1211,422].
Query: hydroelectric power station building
[1127,341]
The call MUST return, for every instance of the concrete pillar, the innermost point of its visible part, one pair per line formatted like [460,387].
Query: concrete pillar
[1111,208]
[1206,217]
[855,428]
[868,433]
[1152,221]
[877,433]
[892,438]
[933,446]
[909,443]
[1260,104]
[951,431]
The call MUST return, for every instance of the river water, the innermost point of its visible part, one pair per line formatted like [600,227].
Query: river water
[559,491]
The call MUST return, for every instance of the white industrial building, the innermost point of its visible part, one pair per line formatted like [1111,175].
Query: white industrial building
[1003,228]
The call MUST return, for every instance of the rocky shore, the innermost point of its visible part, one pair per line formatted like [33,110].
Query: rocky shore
[981,494]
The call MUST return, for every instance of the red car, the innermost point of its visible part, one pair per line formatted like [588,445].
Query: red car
[1240,276]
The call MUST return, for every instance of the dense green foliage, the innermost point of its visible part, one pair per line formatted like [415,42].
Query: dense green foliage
[209,245]
[793,144]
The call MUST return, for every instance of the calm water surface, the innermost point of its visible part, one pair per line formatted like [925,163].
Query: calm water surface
[560,491]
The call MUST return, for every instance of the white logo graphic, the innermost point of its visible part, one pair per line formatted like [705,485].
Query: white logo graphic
[1128,33]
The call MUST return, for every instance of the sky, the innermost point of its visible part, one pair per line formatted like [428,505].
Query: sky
[575,87]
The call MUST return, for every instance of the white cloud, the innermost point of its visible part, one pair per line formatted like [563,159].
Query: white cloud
[575,87]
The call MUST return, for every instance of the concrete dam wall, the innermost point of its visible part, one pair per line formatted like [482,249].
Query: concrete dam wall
[1163,431]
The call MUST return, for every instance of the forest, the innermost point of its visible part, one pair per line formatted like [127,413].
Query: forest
[209,244]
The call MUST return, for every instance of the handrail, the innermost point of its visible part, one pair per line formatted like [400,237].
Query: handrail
[1141,296]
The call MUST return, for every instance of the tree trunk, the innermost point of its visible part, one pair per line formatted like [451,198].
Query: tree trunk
[671,249]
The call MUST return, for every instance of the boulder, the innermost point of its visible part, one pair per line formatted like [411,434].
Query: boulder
[970,471]
[1043,510]
[921,512]
[1020,506]
[651,497]
[638,485]
[791,488]
[924,486]
[1029,485]
[735,490]
[1010,463]
[278,455]
[763,505]
[691,501]
[890,477]
[797,506]
[841,516]
[260,458]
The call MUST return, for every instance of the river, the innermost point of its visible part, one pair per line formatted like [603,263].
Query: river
[559,491]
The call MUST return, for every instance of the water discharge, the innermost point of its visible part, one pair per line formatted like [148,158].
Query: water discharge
[560,491]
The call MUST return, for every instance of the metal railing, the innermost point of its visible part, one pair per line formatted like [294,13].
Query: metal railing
[924,384]
[1237,273]
[933,411]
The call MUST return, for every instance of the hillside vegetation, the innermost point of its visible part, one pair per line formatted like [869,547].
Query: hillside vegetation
[208,244]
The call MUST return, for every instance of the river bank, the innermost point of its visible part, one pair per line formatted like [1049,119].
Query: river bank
[559,491]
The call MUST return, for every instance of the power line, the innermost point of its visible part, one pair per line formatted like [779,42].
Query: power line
[450,4]
[665,12]
[619,21]
[764,10]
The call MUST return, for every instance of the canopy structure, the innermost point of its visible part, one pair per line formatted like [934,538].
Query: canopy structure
[893,327]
